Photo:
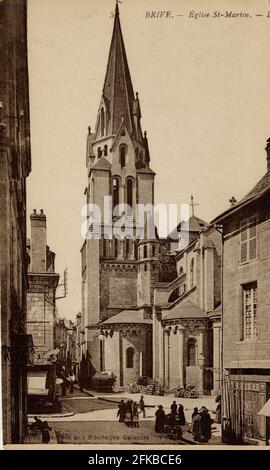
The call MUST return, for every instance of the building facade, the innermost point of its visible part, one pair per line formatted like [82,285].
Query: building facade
[115,309]
[41,293]
[187,320]
[132,284]
[15,166]
[246,321]
[65,336]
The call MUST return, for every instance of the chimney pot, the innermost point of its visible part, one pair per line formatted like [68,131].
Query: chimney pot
[41,211]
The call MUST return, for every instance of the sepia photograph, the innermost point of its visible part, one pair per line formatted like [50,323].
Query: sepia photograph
[135,225]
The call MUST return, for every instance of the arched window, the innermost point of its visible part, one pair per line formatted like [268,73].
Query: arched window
[130,358]
[145,251]
[181,271]
[127,247]
[192,273]
[129,192]
[191,352]
[145,267]
[105,150]
[122,156]
[115,248]
[115,192]
[102,122]
[99,152]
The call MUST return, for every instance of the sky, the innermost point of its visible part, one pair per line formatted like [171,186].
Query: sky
[204,93]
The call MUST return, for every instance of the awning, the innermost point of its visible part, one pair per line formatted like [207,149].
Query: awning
[265,411]
[36,383]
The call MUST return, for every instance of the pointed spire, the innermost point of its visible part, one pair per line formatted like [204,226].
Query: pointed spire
[118,95]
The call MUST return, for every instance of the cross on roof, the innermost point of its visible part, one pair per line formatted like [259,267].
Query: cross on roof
[193,204]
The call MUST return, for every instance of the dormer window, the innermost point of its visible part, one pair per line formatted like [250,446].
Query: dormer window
[123,156]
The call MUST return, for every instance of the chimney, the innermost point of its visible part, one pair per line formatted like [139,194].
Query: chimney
[38,242]
[267,148]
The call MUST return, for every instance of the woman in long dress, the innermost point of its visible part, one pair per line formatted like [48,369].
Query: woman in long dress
[121,411]
[160,419]
[196,424]
[135,415]
[181,414]
[128,415]
[205,424]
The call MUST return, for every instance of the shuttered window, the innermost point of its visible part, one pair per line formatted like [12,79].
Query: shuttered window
[248,239]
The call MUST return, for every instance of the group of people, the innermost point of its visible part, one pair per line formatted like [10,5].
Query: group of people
[201,424]
[43,427]
[128,412]
[68,380]
[177,416]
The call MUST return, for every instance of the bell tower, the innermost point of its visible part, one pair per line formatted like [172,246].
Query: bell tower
[117,161]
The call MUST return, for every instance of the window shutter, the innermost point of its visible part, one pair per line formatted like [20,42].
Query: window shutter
[243,255]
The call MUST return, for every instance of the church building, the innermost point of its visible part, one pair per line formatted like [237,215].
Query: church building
[187,319]
[115,310]
[135,289]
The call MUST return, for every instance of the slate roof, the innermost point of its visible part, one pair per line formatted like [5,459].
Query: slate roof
[102,164]
[128,316]
[118,90]
[185,310]
[262,187]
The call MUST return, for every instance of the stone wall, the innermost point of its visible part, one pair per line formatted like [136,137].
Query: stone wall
[119,288]
[247,353]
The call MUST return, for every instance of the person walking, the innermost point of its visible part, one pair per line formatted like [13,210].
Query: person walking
[173,412]
[196,424]
[121,411]
[218,413]
[205,424]
[181,414]
[160,419]
[71,382]
[135,415]
[46,433]
[128,414]
[142,406]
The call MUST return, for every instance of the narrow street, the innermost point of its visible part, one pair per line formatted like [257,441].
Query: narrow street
[93,420]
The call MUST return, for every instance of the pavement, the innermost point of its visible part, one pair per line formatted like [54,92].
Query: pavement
[93,419]
[35,437]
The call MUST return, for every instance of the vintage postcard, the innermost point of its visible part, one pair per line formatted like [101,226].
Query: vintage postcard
[135,224]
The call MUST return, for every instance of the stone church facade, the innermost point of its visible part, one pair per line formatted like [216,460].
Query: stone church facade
[122,278]
[187,315]
[118,325]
